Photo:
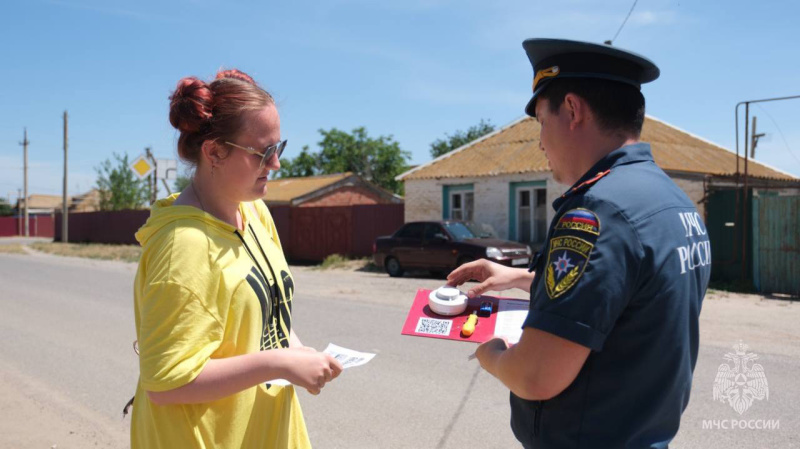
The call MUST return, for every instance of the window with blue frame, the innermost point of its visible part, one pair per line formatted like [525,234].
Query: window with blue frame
[458,202]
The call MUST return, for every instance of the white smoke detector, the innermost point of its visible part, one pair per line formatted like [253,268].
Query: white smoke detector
[447,301]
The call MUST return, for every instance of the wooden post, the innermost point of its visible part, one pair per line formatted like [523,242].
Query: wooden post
[24,144]
[64,208]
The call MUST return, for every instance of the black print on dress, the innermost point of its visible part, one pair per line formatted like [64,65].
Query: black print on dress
[265,299]
[285,306]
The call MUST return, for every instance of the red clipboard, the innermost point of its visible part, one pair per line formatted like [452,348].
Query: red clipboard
[419,321]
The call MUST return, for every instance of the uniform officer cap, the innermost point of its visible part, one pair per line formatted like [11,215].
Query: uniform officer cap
[559,58]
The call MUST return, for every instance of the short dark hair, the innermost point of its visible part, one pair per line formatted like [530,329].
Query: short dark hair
[618,106]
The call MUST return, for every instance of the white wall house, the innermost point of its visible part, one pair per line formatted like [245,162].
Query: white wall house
[503,178]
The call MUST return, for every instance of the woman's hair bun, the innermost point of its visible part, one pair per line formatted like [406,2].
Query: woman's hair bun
[190,105]
[236,74]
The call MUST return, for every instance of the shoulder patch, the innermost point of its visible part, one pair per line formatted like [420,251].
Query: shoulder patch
[569,250]
[579,220]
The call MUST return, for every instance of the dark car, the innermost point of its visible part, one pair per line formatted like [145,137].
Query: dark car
[441,246]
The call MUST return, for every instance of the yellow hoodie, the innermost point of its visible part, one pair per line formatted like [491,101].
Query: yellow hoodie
[206,290]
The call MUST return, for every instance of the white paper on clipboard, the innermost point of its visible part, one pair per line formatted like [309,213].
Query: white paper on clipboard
[510,316]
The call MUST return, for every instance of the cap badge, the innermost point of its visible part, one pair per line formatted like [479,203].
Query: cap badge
[545,73]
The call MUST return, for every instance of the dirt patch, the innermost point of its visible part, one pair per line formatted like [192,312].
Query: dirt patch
[125,253]
[765,323]
[337,262]
[12,249]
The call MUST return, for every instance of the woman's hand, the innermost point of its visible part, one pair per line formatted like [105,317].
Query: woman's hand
[311,369]
[491,275]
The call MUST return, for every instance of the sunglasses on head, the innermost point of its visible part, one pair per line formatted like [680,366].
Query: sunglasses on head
[266,154]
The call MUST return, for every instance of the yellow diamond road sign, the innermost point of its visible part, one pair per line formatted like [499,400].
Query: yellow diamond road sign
[142,167]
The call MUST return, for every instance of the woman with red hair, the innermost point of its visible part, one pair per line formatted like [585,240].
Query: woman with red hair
[213,293]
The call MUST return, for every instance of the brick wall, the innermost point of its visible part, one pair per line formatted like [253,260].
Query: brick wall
[423,198]
[345,196]
[692,185]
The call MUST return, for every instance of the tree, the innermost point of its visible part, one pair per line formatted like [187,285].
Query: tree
[305,164]
[182,182]
[118,186]
[5,208]
[460,138]
[377,160]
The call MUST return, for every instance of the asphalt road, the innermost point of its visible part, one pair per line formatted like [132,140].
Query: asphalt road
[67,366]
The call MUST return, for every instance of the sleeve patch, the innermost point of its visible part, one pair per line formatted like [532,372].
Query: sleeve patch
[569,250]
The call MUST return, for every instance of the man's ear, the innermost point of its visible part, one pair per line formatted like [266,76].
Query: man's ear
[577,109]
[213,152]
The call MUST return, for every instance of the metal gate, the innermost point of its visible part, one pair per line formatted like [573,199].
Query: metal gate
[776,234]
[724,220]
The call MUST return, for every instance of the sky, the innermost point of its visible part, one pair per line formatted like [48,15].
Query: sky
[414,69]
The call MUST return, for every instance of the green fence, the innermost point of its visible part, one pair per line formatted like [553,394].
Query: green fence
[776,239]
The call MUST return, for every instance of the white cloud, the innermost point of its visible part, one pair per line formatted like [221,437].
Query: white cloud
[645,18]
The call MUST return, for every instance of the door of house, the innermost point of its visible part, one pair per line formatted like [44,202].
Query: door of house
[531,215]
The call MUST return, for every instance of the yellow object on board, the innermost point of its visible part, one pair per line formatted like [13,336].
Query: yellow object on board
[469,326]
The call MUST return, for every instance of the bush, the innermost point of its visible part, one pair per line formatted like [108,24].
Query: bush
[333,261]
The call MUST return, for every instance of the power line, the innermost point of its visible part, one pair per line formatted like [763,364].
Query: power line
[623,22]
[788,149]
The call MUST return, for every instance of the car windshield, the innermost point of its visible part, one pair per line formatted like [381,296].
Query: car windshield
[468,230]
[482,230]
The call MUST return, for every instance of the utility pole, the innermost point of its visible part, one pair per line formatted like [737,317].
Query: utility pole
[64,209]
[755,138]
[19,216]
[152,178]
[24,144]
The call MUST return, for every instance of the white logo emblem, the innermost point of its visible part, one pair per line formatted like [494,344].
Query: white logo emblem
[563,264]
[739,385]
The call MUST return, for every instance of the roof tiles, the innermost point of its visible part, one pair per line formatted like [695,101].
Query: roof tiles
[515,149]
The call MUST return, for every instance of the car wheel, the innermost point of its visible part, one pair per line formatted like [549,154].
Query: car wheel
[393,267]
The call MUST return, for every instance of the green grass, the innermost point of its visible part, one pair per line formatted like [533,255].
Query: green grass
[333,262]
[125,253]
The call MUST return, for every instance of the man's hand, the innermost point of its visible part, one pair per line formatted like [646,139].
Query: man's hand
[492,276]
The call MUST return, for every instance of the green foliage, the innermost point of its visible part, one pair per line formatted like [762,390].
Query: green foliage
[460,138]
[119,188]
[5,208]
[182,182]
[377,160]
[305,164]
[333,261]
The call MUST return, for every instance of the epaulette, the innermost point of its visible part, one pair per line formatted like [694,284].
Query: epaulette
[586,184]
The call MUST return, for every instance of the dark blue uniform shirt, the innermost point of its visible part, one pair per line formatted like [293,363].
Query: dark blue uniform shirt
[624,272]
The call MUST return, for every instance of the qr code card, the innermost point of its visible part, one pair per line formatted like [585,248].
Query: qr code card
[433,326]
[347,357]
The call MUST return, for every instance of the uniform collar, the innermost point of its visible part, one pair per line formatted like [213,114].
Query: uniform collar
[635,152]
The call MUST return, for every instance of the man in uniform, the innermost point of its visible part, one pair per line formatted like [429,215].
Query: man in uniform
[610,343]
